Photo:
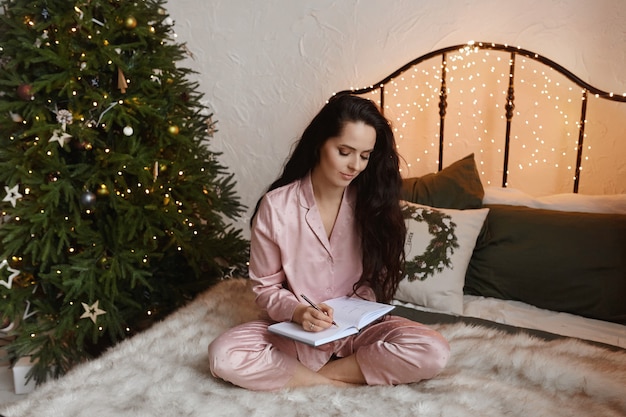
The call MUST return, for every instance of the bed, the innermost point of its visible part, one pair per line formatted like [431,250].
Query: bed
[516,252]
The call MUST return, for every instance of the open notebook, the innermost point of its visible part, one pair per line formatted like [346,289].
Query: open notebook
[350,314]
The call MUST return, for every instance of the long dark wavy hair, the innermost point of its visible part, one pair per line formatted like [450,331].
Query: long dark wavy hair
[378,216]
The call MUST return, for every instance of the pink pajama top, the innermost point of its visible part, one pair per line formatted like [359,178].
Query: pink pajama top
[290,253]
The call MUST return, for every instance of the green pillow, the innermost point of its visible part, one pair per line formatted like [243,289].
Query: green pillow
[457,186]
[562,261]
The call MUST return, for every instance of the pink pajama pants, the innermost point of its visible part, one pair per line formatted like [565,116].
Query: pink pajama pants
[392,351]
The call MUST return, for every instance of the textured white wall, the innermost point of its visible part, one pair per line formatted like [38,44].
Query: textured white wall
[267,66]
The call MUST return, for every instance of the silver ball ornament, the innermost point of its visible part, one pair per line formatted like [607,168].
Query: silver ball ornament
[88,199]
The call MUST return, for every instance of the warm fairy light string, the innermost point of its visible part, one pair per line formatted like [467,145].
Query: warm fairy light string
[476,88]
[472,109]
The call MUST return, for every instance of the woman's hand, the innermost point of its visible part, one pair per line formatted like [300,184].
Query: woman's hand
[311,319]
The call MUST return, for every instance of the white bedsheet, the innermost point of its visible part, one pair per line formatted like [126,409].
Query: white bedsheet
[520,314]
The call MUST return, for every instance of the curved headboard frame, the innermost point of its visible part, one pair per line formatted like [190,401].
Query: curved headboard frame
[586,90]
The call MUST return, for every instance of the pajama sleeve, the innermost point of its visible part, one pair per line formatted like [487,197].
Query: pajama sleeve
[266,266]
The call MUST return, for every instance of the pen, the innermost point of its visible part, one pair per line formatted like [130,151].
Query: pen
[315,306]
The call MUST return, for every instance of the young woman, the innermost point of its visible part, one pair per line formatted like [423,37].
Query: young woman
[330,226]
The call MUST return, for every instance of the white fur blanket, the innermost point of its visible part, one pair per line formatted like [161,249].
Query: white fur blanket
[164,372]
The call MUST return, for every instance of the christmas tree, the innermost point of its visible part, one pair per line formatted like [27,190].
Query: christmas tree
[115,212]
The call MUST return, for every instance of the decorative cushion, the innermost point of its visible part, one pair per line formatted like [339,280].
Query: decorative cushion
[438,248]
[457,186]
[558,260]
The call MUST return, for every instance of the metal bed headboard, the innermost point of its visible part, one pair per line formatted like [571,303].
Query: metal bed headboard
[510,101]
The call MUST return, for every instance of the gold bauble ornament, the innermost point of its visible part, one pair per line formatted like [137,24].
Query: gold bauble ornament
[24,280]
[102,190]
[103,262]
[130,22]
[16,261]
[173,129]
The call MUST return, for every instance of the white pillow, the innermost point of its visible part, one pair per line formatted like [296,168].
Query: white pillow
[439,245]
[610,203]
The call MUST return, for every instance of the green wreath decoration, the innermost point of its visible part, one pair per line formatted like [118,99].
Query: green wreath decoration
[441,247]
